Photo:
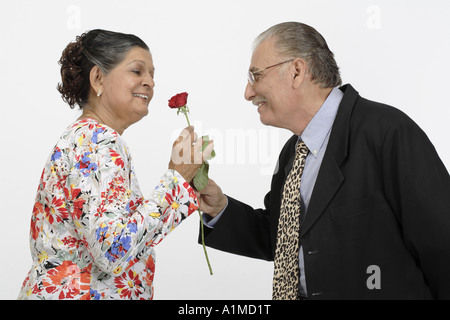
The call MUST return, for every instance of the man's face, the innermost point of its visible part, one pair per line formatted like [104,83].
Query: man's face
[271,89]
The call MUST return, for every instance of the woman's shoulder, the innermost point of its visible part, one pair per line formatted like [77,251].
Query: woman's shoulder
[90,131]
[90,124]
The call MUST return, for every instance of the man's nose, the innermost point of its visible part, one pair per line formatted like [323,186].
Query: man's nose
[249,92]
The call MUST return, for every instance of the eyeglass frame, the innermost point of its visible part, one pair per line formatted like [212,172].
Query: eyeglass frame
[251,74]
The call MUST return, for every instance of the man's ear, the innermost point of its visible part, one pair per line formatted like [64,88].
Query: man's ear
[96,80]
[300,68]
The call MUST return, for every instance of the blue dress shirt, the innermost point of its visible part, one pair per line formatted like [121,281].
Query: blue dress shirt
[316,136]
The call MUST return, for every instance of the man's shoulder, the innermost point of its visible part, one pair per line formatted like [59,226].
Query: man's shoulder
[368,108]
[374,112]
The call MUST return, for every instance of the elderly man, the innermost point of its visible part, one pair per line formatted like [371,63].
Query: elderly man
[359,206]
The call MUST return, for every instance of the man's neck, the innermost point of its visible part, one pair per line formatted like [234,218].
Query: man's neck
[311,102]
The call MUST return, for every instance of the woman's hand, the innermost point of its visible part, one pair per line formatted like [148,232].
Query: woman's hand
[187,155]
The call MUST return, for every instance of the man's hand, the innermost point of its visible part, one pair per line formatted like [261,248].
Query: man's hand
[212,200]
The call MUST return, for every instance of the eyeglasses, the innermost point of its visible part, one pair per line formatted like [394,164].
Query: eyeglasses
[252,74]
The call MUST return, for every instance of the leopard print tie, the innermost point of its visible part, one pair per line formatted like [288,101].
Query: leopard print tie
[286,275]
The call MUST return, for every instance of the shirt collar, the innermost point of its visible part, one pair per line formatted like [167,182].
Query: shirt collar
[320,125]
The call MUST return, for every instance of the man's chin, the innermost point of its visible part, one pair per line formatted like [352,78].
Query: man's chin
[264,121]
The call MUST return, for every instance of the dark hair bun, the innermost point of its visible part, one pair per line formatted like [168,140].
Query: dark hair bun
[73,88]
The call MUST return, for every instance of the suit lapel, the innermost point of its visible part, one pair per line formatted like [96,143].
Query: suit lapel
[327,184]
[330,176]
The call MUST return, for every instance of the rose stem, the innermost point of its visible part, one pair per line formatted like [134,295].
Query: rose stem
[201,220]
[203,242]
[185,113]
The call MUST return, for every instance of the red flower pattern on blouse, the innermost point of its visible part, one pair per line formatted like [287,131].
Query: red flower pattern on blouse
[92,232]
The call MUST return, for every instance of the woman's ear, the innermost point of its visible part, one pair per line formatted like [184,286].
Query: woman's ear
[96,77]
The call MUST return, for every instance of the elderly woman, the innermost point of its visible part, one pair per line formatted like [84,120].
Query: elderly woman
[92,231]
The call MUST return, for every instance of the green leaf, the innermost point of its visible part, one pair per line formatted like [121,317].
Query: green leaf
[201,178]
[200,181]
[205,144]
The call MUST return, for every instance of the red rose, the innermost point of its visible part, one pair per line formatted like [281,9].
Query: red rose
[178,100]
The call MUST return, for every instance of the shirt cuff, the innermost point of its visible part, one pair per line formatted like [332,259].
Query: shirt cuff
[211,222]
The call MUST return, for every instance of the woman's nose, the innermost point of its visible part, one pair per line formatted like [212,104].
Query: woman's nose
[149,81]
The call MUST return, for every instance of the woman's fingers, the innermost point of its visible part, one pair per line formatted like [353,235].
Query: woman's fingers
[187,132]
[188,154]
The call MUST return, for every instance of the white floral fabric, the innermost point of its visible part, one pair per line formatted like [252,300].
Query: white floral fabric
[92,232]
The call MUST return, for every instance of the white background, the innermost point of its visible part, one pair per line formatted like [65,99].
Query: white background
[395,52]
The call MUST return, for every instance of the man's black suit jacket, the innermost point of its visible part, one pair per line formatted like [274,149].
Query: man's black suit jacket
[381,198]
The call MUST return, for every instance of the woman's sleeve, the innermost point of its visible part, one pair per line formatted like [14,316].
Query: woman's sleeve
[114,223]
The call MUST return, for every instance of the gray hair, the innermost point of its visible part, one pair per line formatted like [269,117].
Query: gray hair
[298,40]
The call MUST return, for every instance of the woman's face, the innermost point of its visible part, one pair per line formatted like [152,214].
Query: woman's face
[128,88]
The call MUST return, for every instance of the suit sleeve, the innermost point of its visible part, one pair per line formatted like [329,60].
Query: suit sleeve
[418,190]
[251,232]
[242,230]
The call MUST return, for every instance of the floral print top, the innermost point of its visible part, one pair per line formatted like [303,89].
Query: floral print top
[92,232]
